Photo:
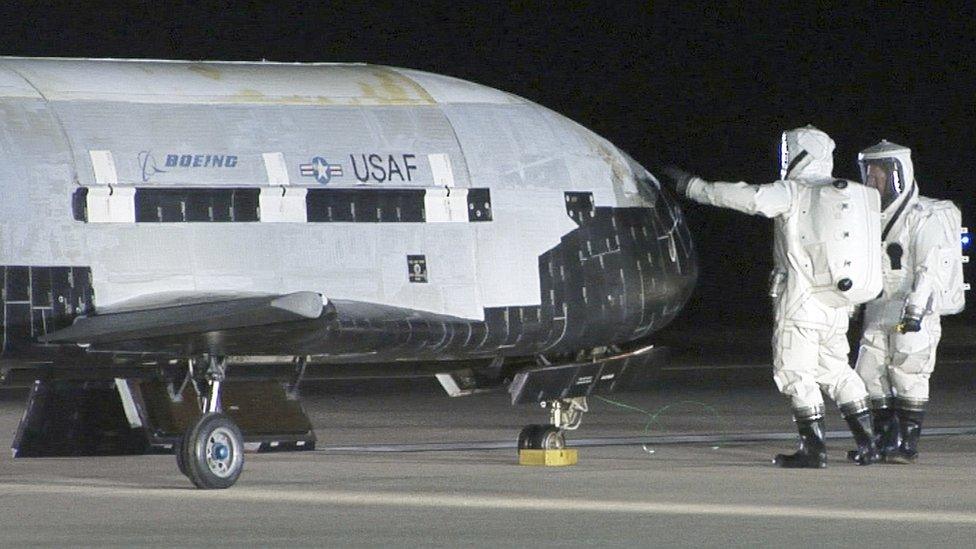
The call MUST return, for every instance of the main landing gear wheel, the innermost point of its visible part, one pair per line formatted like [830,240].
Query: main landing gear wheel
[212,452]
[180,456]
[541,437]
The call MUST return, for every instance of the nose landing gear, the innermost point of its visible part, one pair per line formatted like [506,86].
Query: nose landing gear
[564,415]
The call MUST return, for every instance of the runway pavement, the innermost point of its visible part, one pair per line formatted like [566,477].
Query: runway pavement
[693,494]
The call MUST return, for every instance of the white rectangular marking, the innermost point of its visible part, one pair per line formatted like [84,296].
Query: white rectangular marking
[440,169]
[275,167]
[111,205]
[104,167]
[446,205]
[283,205]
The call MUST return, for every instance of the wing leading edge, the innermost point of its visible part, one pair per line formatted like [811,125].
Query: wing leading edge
[189,318]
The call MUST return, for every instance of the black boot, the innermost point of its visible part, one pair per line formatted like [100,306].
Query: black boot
[812,453]
[885,430]
[867,451]
[910,428]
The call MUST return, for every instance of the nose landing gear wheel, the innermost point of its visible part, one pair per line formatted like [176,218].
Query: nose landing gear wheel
[212,452]
[541,437]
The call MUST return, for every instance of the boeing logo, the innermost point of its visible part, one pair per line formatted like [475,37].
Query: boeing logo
[147,162]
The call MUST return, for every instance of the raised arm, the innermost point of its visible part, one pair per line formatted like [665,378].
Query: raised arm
[770,200]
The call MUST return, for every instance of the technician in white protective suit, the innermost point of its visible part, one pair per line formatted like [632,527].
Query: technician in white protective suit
[826,260]
[922,280]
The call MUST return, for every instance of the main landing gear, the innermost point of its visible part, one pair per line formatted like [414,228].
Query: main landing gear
[211,452]
[564,415]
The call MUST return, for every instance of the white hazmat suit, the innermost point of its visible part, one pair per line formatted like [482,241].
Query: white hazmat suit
[826,260]
[922,279]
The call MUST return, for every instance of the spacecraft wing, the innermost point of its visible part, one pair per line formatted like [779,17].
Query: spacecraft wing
[188,316]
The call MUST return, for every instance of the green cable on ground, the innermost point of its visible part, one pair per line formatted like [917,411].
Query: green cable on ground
[622,405]
[652,416]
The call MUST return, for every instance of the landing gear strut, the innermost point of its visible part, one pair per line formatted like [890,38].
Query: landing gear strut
[564,415]
[211,452]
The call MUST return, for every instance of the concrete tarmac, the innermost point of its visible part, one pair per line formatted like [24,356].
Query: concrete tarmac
[703,495]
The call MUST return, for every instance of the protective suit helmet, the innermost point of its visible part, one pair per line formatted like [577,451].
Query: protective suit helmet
[888,168]
[806,153]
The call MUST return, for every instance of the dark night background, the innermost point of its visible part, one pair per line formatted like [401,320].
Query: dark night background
[707,87]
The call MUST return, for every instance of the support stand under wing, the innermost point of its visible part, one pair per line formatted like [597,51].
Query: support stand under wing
[131,416]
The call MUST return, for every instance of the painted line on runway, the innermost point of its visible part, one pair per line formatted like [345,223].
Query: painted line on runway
[656,440]
[492,502]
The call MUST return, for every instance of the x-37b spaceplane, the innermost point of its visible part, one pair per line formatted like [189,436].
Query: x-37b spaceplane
[182,243]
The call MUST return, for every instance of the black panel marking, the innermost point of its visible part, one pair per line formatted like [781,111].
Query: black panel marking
[40,300]
[79,204]
[579,206]
[197,205]
[417,268]
[597,285]
[365,205]
[17,286]
[242,204]
[479,205]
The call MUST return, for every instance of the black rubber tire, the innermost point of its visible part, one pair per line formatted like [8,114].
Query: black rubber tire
[549,437]
[213,428]
[541,437]
[528,436]
[178,451]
